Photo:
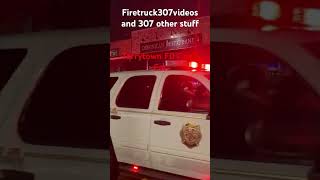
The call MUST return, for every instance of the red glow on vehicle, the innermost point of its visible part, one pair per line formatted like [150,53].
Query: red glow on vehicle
[193,64]
[135,168]
[206,178]
[206,67]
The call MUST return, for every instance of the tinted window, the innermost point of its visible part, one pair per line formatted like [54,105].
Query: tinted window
[68,106]
[112,81]
[254,86]
[136,92]
[9,61]
[184,94]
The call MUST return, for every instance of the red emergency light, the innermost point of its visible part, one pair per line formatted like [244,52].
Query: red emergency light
[181,65]
[193,64]
[135,168]
[206,67]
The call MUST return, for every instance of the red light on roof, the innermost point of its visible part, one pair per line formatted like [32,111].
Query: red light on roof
[135,168]
[193,64]
[206,67]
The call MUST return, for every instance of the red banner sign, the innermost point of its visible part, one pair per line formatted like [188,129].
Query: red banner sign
[171,44]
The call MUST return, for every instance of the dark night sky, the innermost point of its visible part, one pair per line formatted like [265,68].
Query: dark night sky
[117,32]
[52,14]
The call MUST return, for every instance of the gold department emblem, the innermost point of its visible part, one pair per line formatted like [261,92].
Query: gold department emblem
[190,135]
[114,110]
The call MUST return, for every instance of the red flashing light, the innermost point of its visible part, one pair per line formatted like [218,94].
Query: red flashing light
[135,168]
[185,65]
[193,64]
[206,67]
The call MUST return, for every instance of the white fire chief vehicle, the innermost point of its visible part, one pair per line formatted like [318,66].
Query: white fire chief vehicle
[159,120]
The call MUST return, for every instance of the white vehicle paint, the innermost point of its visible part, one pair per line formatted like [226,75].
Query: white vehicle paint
[45,162]
[139,140]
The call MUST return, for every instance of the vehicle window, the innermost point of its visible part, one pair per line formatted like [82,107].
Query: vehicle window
[184,94]
[68,106]
[136,92]
[9,61]
[112,81]
[255,86]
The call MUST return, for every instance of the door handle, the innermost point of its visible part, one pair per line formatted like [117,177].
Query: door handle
[162,123]
[115,117]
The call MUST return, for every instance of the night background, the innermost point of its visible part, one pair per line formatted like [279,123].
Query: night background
[37,15]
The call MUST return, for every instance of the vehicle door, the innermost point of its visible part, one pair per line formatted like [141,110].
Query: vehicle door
[180,126]
[130,115]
